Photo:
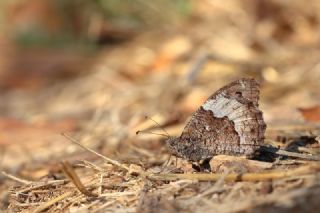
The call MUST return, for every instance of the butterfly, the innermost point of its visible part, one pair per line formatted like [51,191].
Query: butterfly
[229,122]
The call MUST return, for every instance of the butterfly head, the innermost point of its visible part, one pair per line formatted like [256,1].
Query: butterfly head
[173,145]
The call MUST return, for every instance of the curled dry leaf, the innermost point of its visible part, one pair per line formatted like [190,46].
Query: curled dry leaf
[311,113]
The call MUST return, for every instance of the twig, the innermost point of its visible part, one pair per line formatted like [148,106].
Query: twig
[16,178]
[51,202]
[116,163]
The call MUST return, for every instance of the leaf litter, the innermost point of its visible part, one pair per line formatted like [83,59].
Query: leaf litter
[104,166]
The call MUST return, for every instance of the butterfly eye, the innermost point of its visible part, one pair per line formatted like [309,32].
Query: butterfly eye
[239,94]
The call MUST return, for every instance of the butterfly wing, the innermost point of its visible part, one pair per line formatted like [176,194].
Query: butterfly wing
[229,122]
[244,89]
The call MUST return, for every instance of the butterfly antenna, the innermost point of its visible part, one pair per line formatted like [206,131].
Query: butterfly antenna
[159,126]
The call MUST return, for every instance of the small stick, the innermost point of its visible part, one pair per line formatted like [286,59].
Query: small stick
[116,163]
[26,182]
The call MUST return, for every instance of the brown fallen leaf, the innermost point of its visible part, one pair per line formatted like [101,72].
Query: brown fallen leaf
[171,51]
[15,131]
[311,113]
[26,141]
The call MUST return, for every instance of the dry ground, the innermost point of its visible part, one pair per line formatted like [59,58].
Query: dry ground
[167,74]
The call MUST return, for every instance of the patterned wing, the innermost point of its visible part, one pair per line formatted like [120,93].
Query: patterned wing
[229,122]
[244,89]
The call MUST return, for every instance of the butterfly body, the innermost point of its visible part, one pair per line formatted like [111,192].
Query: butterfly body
[229,122]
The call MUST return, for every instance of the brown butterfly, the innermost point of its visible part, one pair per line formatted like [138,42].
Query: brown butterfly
[229,122]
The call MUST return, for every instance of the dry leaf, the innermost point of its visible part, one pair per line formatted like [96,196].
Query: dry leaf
[311,113]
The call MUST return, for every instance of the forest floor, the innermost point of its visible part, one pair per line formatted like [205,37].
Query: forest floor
[99,164]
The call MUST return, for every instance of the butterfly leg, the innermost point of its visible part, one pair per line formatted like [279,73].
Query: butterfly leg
[166,163]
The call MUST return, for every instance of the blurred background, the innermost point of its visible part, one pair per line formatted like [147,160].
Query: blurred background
[42,38]
[96,68]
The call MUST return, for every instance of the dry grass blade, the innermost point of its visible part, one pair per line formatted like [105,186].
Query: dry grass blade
[119,194]
[100,208]
[308,150]
[72,175]
[51,202]
[37,185]
[16,178]
[291,154]
[265,176]
[116,163]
